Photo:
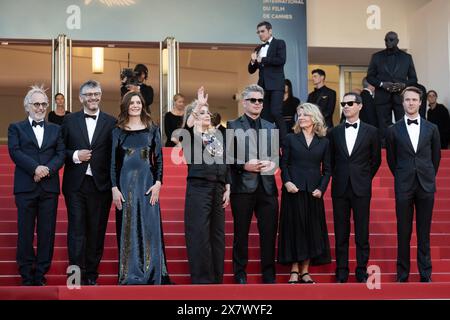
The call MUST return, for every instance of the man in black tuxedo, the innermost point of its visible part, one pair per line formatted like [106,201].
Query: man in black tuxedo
[87,184]
[254,156]
[390,71]
[269,58]
[323,96]
[355,159]
[413,153]
[37,149]
[368,112]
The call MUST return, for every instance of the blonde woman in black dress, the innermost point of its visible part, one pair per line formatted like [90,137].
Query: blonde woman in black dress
[305,172]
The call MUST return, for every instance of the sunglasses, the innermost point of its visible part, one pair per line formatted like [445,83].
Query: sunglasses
[37,104]
[349,103]
[253,100]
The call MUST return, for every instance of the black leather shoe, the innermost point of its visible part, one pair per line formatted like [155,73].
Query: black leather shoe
[27,283]
[341,280]
[425,279]
[40,282]
[269,281]
[240,280]
[402,279]
[91,282]
[362,279]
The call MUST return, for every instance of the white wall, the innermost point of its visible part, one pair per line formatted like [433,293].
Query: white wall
[429,30]
[343,24]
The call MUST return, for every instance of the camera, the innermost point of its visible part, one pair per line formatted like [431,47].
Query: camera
[129,77]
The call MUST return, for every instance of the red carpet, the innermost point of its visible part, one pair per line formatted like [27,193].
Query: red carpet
[382,239]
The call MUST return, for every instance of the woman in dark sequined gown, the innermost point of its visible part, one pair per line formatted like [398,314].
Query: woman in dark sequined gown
[136,174]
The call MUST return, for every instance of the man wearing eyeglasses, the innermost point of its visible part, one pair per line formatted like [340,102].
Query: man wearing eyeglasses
[37,149]
[87,185]
[413,152]
[253,186]
[269,58]
[355,159]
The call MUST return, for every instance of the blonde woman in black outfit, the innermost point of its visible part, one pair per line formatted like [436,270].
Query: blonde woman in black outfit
[174,119]
[305,171]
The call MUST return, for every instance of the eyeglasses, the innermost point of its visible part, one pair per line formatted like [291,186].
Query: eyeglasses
[253,100]
[349,103]
[42,104]
[92,94]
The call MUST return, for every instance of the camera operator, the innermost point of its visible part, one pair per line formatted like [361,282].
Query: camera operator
[135,82]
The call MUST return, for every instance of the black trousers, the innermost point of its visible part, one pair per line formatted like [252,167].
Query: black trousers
[342,207]
[88,212]
[405,203]
[384,116]
[273,111]
[36,209]
[266,209]
[204,224]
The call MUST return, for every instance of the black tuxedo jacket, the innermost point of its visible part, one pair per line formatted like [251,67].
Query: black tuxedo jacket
[271,68]
[76,137]
[361,166]
[27,156]
[405,164]
[325,98]
[379,71]
[243,181]
[306,167]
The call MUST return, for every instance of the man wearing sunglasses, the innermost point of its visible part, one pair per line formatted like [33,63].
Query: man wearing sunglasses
[253,162]
[269,58]
[355,159]
[37,149]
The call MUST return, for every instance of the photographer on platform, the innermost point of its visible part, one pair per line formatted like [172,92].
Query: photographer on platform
[133,80]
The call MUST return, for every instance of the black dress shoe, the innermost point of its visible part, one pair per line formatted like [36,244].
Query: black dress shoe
[341,280]
[269,281]
[240,280]
[91,282]
[402,279]
[362,279]
[40,282]
[27,283]
[425,279]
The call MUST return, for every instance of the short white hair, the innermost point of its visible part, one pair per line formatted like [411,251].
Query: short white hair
[33,90]
[251,88]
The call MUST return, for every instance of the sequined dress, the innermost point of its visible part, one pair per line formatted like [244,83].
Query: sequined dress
[136,164]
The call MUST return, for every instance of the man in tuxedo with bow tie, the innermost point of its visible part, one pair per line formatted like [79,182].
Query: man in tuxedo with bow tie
[37,149]
[355,159]
[413,153]
[269,58]
[390,71]
[86,185]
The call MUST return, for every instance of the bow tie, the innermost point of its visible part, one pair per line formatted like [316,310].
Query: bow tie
[348,125]
[90,116]
[40,123]
[265,44]
[412,121]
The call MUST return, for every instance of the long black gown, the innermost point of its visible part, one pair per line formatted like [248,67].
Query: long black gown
[136,164]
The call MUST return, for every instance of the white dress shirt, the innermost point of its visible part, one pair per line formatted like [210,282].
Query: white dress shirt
[90,124]
[263,52]
[413,131]
[350,136]
[38,132]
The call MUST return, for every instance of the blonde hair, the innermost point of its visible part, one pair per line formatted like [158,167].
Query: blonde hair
[316,116]
[189,108]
